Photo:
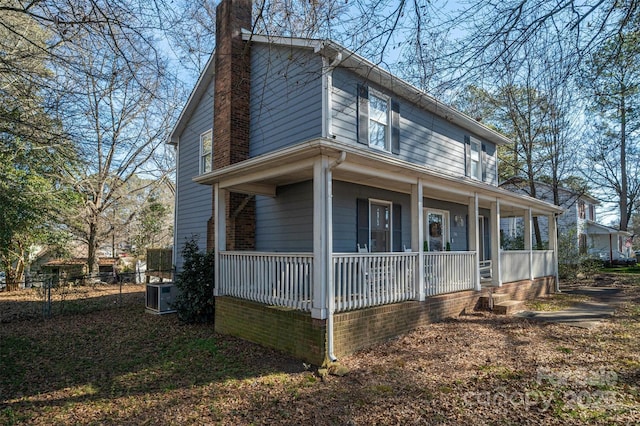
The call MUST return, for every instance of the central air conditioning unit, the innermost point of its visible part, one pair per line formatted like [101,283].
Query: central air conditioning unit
[160,297]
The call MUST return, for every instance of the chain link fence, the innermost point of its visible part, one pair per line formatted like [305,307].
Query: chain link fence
[49,295]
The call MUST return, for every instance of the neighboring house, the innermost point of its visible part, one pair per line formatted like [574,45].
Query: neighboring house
[76,268]
[344,205]
[578,222]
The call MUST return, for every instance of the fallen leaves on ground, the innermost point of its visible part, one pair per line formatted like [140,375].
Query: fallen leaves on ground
[120,365]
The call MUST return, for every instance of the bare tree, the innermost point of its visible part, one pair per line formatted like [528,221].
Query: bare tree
[613,82]
[119,109]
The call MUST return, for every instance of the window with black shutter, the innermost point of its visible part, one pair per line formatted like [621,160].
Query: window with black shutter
[475,159]
[378,120]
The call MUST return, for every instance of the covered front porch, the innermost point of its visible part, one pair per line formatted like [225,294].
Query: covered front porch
[362,280]
[381,265]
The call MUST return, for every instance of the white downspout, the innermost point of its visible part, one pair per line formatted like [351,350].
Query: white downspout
[327,132]
[330,290]
[327,84]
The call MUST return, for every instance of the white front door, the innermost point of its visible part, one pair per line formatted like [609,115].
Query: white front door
[436,229]
[481,256]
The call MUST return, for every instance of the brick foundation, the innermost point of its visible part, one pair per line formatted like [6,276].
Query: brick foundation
[296,333]
[366,327]
[290,331]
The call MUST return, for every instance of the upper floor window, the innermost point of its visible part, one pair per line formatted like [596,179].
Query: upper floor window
[206,152]
[378,120]
[592,212]
[476,162]
[582,210]
[476,165]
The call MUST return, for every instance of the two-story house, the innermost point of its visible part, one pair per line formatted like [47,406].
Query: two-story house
[345,206]
[578,223]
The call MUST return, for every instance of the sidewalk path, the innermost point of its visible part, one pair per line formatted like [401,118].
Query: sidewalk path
[585,314]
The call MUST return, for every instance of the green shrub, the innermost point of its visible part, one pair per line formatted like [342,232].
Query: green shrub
[590,267]
[195,301]
[568,254]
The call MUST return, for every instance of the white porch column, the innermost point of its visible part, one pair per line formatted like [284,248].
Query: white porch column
[320,192]
[528,245]
[417,236]
[495,244]
[553,245]
[328,241]
[220,231]
[474,237]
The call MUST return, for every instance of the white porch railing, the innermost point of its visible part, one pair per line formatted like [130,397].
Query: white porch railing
[449,271]
[362,279]
[280,279]
[370,279]
[543,265]
[514,265]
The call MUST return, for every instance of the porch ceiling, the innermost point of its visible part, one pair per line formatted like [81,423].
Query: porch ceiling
[263,174]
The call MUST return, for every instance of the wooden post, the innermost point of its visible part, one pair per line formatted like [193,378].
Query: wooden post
[495,244]
[474,237]
[553,245]
[417,236]
[220,232]
[528,243]
[319,304]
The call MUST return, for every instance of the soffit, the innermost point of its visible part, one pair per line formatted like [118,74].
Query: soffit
[367,167]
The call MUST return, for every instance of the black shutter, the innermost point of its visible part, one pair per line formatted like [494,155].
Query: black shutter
[396,227]
[362,222]
[363,114]
[395,126]
[483,161]
[467,156]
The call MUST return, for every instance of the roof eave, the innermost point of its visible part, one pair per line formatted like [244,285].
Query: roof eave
[373,72]
[196,94]
[332,148]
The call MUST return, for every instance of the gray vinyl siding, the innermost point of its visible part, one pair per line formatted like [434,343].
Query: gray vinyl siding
[425,138]
[286,97]
[345,196]
[193,201]
[284,223]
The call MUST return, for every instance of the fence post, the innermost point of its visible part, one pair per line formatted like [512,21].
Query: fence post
[46,307]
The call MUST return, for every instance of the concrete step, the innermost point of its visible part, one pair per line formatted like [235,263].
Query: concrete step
[507,307]
[484,301]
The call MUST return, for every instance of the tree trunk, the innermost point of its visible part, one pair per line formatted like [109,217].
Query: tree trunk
[14,275]
[624,181]
[533,193]
[92,258]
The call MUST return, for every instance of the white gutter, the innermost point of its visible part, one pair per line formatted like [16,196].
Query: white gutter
[330,290]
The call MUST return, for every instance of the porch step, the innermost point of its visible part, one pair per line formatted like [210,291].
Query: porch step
[485,301]
[507,307]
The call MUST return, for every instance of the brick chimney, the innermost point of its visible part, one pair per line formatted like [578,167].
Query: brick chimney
[231,116]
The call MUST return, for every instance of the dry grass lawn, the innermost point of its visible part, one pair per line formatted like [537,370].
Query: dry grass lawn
[113,364]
